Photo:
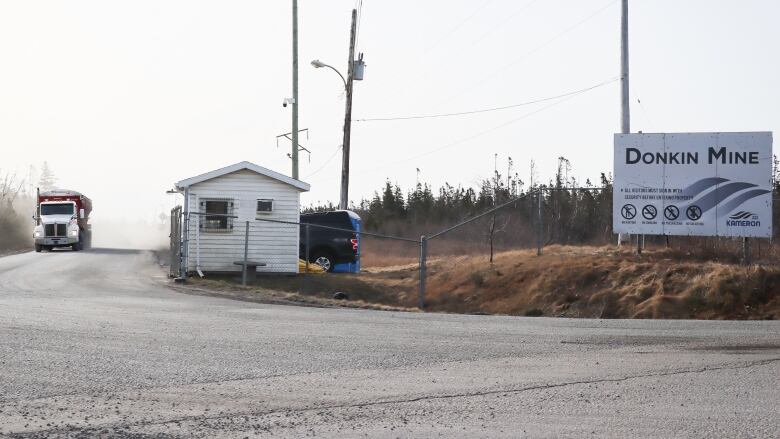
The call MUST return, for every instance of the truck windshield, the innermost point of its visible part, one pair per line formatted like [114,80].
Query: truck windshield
[56,209]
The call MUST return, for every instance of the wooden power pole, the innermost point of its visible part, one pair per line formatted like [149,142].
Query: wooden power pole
[344,196]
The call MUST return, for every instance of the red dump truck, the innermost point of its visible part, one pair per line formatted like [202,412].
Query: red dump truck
[62,220]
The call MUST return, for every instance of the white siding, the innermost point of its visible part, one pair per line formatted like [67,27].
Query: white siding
[274,244]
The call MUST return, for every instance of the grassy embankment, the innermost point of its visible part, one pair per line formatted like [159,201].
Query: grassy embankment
[588,282]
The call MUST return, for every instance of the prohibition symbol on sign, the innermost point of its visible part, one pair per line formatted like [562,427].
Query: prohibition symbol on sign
[671,213]
[693,212]
[649,212]
[628,211]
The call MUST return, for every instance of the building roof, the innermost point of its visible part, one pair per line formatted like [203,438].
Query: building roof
[301,186]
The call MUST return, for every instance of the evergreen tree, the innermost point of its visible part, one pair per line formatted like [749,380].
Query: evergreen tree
[47,181]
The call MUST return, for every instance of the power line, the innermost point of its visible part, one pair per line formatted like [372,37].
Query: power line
[359,7]
[509,18]
[458,26]
[324,164]
[474,136]
[485,110]
[442,37]
[534,50]
[487,131]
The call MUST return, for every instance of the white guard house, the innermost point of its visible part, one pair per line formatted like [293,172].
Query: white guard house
[213,241]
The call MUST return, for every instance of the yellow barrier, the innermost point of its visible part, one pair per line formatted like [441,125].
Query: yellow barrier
[313,268]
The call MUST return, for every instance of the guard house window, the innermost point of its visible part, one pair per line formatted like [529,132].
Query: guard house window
[264,206]
[217,215]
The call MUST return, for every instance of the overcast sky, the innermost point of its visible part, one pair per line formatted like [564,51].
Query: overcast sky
[125,98]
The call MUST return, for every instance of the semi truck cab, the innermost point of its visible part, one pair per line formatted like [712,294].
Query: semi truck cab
[62,221]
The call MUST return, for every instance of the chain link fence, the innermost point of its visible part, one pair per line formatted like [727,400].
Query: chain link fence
[398,265]
[217,243]
[212,243]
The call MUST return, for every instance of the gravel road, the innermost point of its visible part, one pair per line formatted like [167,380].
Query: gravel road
[96,344]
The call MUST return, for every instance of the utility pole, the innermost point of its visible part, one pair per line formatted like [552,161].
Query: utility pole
[295,91]
[625,113]
[344,198]
[625,110]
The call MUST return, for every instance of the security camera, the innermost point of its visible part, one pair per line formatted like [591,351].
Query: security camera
[284,104]
[288,101]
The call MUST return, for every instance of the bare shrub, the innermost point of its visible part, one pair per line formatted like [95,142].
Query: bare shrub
[15,227]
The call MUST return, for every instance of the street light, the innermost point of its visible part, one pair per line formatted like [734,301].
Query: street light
[319,64]
[344,186]
[354,73]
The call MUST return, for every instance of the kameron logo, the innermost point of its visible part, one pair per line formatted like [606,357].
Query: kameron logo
[742,215]
[743,218]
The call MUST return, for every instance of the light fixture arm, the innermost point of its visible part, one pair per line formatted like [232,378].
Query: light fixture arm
[322,64]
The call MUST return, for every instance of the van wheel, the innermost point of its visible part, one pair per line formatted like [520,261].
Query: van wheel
[324,260]
[76,247]
[38,248]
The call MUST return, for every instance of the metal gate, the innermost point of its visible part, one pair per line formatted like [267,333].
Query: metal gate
[175,242]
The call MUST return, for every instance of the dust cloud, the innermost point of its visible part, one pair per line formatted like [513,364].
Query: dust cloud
[129,234]
[15,231]
[16,224]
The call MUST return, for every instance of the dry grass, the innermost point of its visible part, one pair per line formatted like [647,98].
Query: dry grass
[377,252]
[590,282]
[605,282]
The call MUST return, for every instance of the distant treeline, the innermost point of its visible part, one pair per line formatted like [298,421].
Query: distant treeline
[572,212]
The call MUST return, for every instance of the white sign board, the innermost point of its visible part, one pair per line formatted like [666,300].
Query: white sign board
[705,184]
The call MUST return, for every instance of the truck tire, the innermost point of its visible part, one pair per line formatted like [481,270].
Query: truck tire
[76,247]
[38,248]
[324,259]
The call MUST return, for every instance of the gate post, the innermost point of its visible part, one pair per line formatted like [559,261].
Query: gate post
[184,265]
[307,249]
[175,244]
[246,251]
[539,227]
[423,255]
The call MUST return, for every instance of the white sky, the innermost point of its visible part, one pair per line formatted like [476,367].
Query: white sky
[125,98]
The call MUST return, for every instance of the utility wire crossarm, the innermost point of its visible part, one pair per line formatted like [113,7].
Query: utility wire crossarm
[300,147]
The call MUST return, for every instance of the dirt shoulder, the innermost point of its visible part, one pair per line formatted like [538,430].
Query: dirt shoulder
[9,252]
[586,282]
[231,289]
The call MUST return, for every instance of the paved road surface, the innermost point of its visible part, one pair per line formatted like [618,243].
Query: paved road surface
[95,344]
